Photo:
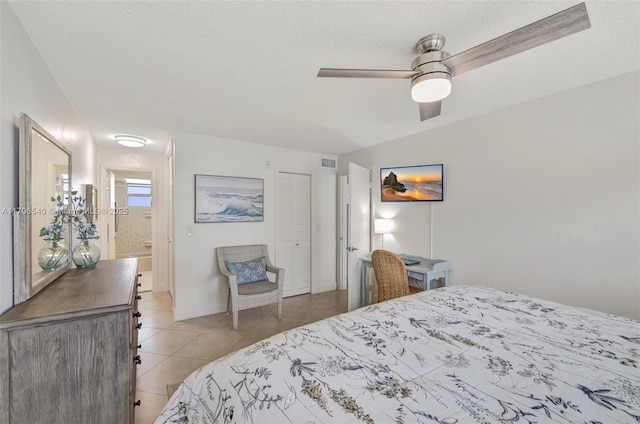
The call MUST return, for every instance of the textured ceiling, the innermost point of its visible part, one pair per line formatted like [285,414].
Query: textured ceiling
[247,70]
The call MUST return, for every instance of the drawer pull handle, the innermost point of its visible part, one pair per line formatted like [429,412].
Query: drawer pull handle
[139,346]
[139,326]
[137,360]
[139,284]
[138,297]
[140,275]
[137,314]
[136,403]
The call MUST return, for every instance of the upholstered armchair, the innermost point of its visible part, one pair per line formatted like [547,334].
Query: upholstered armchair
[246,269]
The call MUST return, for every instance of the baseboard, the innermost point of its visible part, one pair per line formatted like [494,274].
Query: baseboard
[324,287]
[182,314]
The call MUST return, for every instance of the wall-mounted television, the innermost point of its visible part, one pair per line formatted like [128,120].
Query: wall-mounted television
[420,183]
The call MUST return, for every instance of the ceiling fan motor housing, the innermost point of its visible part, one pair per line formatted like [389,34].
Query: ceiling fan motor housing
[430,42]
[432,72]
[430,62]
[430,47]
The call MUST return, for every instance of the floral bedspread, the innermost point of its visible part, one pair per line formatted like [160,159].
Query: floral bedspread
[453,355]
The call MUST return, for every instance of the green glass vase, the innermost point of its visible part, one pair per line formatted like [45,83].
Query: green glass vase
[86,253]
[53,255]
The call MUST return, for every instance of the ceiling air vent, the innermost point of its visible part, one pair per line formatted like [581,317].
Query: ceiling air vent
[328,163]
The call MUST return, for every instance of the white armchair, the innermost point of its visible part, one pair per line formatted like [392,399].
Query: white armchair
[246,269]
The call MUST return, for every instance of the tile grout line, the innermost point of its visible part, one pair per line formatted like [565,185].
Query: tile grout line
[219,326]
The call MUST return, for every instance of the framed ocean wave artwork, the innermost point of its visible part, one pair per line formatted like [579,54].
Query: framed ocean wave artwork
[228,199]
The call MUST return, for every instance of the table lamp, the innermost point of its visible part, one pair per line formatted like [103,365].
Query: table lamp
[382,226]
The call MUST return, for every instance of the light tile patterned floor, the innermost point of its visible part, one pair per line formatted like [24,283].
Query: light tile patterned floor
[172,350]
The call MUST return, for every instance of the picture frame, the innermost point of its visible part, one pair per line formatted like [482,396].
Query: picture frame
[418,183]
[221,198]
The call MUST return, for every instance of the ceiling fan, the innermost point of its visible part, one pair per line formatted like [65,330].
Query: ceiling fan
[432,70]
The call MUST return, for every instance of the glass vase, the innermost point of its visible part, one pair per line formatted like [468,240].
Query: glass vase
[86,253]
[53,255]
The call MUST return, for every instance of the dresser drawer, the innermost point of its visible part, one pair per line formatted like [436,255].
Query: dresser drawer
[67,354]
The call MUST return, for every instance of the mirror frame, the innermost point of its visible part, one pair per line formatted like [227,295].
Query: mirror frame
[23,285]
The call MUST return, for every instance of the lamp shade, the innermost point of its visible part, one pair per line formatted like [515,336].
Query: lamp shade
[431,87]
[382,225]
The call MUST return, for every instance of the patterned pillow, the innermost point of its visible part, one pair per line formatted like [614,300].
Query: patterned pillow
[248,271]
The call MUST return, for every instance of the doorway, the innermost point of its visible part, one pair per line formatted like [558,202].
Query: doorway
[355,230]
[132,234]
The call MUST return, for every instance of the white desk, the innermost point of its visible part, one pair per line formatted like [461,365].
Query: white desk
[426,271]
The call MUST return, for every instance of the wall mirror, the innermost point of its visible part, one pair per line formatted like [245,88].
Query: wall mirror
[44,167]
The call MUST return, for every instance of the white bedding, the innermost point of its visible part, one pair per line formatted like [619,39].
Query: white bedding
[452,355]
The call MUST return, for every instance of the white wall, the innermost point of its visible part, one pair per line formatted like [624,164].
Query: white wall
[199,287]
[28,86]
[140,160]
[541,198]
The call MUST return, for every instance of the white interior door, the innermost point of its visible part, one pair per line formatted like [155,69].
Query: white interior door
[359,229]
[170,206]
[342,237]
[293,250]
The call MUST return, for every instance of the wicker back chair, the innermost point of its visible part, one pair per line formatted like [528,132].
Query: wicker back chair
[391,276]
[250,295]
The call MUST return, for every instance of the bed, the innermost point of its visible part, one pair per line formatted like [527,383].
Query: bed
[452,355]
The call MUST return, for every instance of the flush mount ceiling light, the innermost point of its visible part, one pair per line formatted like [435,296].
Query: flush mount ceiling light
[130,140]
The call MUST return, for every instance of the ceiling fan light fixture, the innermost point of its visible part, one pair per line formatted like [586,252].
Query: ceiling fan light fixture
[431,87]
[130,140]
[432,70]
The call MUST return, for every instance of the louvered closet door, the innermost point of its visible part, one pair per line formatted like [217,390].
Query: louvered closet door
[294,232]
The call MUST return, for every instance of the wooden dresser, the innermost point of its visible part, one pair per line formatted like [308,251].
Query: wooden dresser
[69,354]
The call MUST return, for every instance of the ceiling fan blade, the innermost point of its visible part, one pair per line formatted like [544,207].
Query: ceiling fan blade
[429,110]
[551,28]
[365,73]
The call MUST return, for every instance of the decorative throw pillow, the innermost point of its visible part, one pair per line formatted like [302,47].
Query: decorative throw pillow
[248,271]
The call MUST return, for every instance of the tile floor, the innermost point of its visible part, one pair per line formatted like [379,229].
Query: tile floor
[172,350]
